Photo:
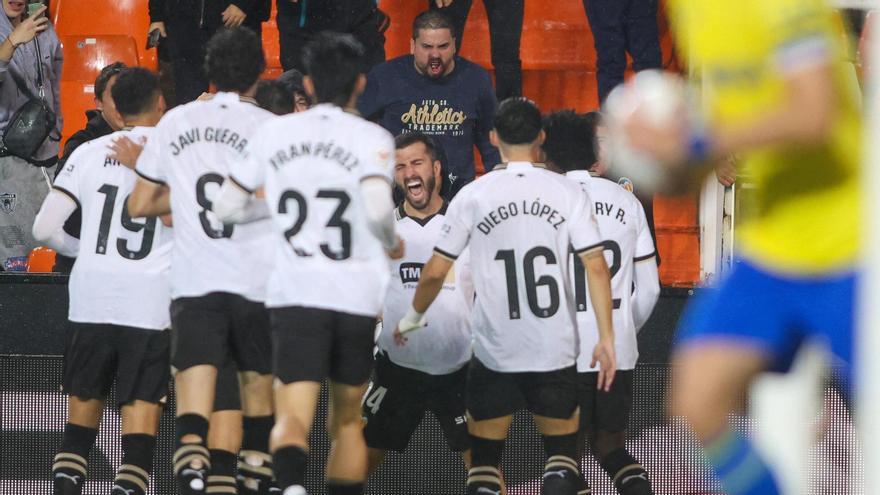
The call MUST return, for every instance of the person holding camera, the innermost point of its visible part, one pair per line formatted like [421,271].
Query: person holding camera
[30,122]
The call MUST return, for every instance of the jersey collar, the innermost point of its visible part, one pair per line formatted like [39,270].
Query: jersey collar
[401,213]
[516,166]
[579,175]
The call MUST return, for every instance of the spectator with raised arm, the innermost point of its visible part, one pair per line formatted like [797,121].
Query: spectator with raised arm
[30,69]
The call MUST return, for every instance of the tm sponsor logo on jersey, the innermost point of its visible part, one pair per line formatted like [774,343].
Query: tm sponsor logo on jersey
[208,135]
[410,272]
[436,117]
[535,208]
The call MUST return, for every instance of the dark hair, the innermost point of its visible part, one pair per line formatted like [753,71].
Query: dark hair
[293,79]
[569,142]
[135,91]
[406,140]
[333,61]
[275,97]
[517,121]
[104,77]
[432,19]
[234,59]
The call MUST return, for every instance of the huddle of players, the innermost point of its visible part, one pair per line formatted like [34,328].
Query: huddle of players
[322,179]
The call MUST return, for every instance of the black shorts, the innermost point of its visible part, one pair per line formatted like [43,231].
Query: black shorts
[136,358]
[398,398]
[494,394]
[227,395]
[605,411]
[210,328]
[310,344]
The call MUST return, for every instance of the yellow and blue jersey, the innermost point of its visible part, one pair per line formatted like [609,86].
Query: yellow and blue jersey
[805,215]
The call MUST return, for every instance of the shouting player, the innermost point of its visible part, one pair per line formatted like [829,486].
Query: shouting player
[118,297]
[782,103]
[635,287]
[219,271]
[429,373]
[519,221]
[327,177]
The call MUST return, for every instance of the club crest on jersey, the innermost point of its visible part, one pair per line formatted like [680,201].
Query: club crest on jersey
[626,183]
[410,272]
[7,202]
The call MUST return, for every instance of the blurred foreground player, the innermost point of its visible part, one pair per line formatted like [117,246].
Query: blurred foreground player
[782,104]
[327,175]
[118,297]
[429,373]
[635,287]
[525,338]
[219,271]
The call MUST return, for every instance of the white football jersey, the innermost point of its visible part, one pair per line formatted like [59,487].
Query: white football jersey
[519,221]
[120,276]
[312,164]
[627,239]
[445,345]
[192,151]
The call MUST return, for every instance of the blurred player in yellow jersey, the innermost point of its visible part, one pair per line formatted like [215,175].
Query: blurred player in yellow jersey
[775,94]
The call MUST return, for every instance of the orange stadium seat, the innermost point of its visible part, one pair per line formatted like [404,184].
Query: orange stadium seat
[41,260]
[272,47]
[107,17]
[86,55]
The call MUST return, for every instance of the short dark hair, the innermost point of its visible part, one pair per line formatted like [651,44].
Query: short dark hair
[293,79]
[569,142]
[517,121]
[333,61]
[135,91]
[104,77]
[432,19]
[234,59]
[410,138]
[275,97]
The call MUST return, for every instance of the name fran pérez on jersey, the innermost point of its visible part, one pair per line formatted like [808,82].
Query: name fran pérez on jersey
[209,135]
[322,149]
[535,208]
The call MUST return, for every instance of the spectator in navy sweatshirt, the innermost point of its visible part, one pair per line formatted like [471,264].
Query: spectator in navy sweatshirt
[439,94]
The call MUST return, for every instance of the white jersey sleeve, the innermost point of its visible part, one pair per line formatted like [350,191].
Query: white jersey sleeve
[644,243]
[456,230]
[379,153]
[67,180]
[150,163]
[583,228]
[249,173]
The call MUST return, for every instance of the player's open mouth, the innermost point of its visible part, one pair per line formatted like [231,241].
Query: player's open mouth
[415,189]
[435,66]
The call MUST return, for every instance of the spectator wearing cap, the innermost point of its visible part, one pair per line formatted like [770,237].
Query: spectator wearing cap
[187,25]
[505,33]
[300,20]
[435,92]
[620,27]
[103,120]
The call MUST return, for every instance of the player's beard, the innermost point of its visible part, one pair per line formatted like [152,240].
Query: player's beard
[422,195]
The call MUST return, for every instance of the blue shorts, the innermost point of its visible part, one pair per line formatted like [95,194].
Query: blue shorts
[775,314]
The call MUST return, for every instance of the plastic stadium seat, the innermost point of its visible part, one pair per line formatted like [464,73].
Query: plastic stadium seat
[86,55]
[272,47]
[76,97]
[41,260]
[107,17]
